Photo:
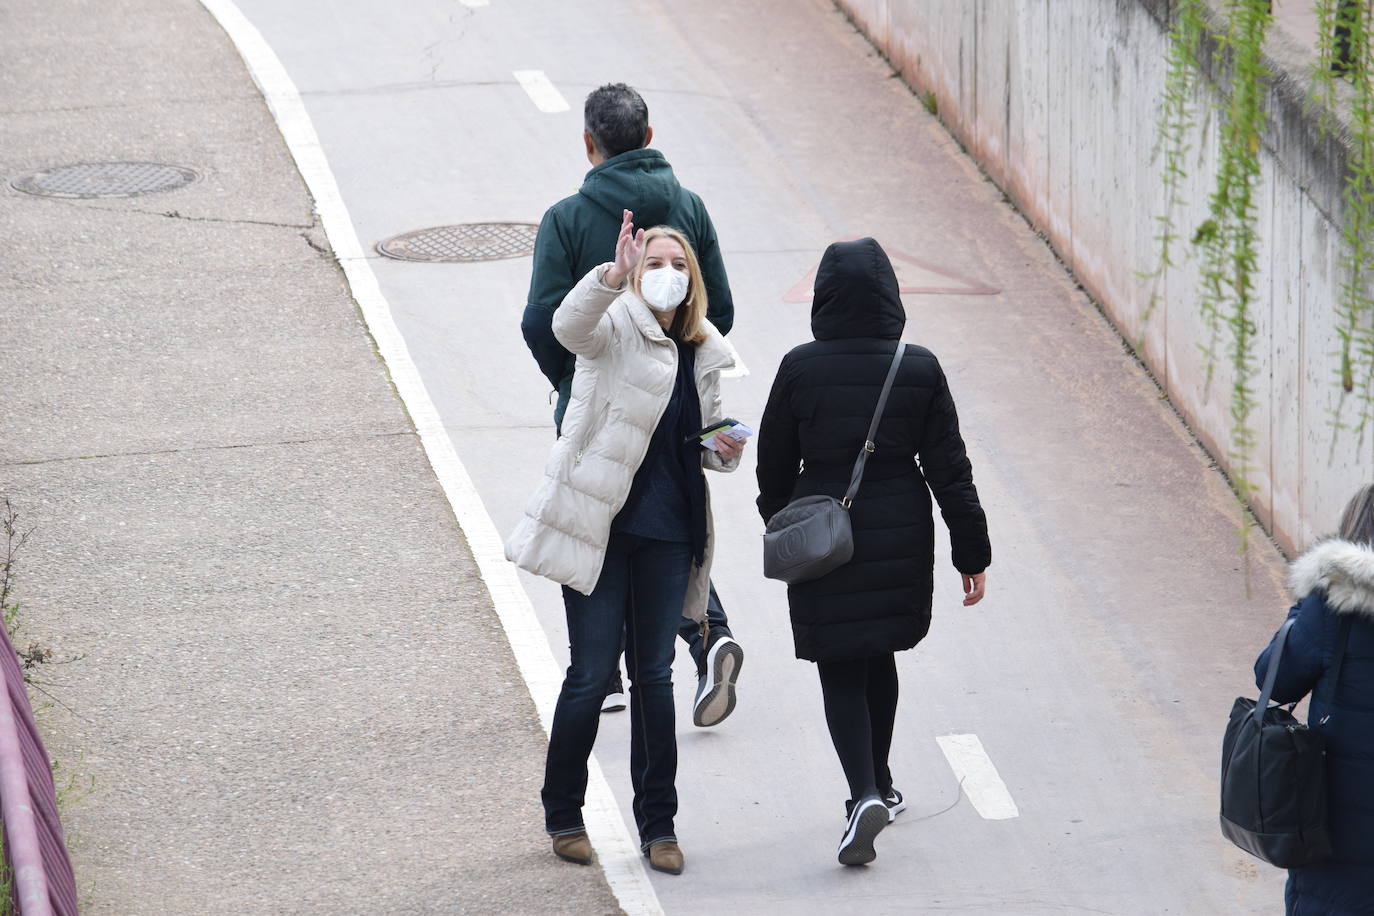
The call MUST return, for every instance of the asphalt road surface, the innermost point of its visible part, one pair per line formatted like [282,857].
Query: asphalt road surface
[1097,674]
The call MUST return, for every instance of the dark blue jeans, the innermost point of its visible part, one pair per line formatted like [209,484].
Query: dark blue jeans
[638,597]
[690,631]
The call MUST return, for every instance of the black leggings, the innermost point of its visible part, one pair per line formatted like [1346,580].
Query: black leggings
[860,708]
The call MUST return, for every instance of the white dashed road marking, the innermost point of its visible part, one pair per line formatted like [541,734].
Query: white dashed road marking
[978,777]
[541,91]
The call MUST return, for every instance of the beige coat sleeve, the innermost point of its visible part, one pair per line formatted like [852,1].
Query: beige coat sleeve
[580,323]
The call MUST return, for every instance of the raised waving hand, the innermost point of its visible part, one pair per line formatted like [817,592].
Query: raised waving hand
[628,245]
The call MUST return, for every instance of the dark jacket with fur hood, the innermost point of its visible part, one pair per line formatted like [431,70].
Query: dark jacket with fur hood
[813,427]
[1332,580]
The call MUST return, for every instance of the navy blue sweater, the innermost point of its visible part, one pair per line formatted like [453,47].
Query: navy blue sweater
[667,500]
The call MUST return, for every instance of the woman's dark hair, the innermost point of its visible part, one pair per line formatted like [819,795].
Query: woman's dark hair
[617,119]
[1357,521]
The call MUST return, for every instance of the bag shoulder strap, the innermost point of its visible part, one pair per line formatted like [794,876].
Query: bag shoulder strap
[1275,654]
[1337,661]
[868,447]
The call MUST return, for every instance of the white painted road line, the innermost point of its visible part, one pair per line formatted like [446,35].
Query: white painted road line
[617,852]
[473,3]
[979,778]
[542,91]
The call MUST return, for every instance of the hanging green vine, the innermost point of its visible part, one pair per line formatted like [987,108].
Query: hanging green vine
[1227,241]
[1176,122]
[1344,49]
[1323,79]
[1230,244]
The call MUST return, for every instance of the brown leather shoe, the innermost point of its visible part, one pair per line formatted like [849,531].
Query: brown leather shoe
[574,847]
[665,856]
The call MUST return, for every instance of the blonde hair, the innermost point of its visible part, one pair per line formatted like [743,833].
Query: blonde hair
[690,318]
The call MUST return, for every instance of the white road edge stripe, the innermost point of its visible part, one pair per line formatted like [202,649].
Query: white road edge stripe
[979,778]
[541,91]
[473,3]
[617,852]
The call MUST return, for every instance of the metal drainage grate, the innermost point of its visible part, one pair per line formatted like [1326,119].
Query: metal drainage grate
[464,242]
[104,179]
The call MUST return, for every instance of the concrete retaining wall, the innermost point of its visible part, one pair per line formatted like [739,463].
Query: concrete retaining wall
[1059,102]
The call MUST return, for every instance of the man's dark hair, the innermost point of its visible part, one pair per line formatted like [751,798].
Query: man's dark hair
[617,118]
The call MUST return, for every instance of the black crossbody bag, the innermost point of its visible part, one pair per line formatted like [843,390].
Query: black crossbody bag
[812,536]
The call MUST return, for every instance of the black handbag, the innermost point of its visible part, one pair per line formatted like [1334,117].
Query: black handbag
[811,536]
[1273,773]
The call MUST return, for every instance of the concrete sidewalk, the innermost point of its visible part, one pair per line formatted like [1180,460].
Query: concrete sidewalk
[293,694]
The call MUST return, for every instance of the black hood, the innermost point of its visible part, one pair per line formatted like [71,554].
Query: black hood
[856,293]
[640,180]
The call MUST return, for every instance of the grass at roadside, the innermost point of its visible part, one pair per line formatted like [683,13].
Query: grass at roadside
[6,882]
[68,788]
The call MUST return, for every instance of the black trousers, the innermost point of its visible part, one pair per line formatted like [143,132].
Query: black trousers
[861,708]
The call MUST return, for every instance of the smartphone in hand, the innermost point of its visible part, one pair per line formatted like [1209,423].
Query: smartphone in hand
[706,436]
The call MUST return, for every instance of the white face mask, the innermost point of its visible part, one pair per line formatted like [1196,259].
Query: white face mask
[663,288]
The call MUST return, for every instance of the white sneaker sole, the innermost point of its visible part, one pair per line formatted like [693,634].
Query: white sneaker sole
[716,698]
[614,702]
[857,846]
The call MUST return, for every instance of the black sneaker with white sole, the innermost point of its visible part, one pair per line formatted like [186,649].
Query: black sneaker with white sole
[895,803]
[615,695]
[866,821]
[716,688]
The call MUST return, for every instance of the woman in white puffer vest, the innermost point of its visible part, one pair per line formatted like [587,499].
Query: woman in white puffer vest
[622,518]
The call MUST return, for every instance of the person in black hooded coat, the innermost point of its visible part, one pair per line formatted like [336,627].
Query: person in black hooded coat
[852,620]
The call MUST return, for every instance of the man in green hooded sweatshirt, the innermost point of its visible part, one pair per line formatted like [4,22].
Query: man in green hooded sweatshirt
[578,233]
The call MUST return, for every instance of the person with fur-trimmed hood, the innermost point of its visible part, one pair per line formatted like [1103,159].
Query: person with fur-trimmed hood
[1332,581]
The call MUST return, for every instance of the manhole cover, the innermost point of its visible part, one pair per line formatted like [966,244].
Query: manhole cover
[104,179]
[464,242]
